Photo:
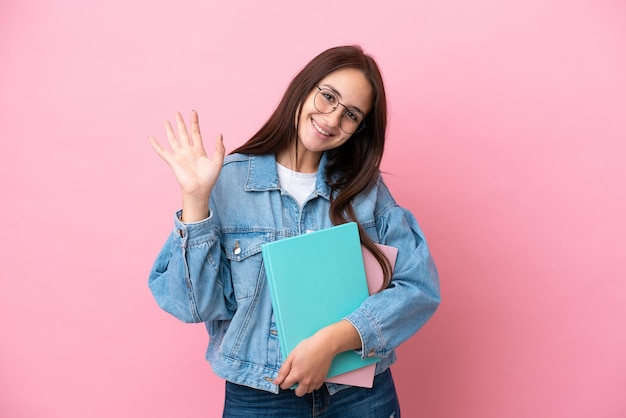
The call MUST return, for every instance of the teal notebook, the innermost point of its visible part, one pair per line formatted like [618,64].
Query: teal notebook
[315,280]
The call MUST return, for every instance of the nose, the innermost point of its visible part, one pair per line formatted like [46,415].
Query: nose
[334,118]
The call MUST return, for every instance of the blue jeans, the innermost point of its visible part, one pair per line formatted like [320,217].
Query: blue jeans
[381,401]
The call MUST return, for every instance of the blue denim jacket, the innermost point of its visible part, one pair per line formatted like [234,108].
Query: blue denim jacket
[211,271]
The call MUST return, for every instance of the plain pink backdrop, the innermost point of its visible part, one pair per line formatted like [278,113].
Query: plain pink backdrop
[507,140]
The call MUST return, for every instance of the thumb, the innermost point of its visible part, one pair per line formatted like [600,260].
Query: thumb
[220,150]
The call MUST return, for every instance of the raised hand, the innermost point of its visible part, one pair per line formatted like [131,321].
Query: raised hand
[195,172]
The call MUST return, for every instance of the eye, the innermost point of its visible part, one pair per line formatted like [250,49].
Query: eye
[329,97]
[354,117]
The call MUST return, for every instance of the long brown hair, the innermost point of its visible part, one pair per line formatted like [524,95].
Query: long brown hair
[354,166]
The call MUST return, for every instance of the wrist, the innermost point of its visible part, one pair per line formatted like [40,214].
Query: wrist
[195,208]
[340,336]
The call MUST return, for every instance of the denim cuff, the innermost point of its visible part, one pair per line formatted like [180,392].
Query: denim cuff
[370,333]
[193,233]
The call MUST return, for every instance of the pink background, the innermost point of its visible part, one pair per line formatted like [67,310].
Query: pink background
[507,140]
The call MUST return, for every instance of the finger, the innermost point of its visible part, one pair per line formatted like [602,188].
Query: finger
[171,137]
[306,386]
[283,372]
[302,390]
[289,381]
[196,137]
[182,130]
[220,150]
[158,148]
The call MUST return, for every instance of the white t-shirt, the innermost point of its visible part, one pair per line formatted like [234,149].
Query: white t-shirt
[298,185]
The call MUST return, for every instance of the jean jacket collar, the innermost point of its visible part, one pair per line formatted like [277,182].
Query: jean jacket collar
[262,175]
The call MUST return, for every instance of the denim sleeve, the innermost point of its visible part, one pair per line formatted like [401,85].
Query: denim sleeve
[189,278]
[388,318]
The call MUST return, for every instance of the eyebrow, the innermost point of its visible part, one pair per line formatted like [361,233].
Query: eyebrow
[334,90]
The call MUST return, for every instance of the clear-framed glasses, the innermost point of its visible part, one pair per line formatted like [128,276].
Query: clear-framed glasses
[326,101]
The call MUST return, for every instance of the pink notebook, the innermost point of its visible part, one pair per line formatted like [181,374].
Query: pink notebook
[364,377]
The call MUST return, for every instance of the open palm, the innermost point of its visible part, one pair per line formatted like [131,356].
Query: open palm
[195,172]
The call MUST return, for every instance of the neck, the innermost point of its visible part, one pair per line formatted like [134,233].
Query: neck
[303,162]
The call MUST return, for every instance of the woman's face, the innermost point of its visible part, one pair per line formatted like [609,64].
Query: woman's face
[317,131]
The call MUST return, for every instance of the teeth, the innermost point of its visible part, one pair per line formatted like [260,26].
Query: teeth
[320,130]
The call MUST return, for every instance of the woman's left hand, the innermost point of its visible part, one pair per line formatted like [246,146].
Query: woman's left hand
[308,363]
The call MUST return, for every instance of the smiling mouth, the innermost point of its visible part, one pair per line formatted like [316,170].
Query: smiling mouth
[319,129]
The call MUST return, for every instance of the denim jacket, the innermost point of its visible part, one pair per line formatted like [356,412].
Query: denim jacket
[211,271]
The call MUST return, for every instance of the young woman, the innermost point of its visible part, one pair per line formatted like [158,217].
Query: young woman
[314,164]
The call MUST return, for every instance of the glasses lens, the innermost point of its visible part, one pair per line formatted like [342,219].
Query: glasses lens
[350,121]
[325,101]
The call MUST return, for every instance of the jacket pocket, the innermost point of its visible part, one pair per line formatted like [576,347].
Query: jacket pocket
[243,250]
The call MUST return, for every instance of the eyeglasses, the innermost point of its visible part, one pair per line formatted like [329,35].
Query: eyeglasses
[326,101]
